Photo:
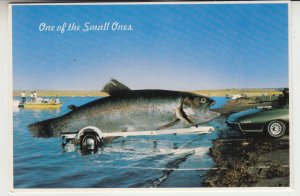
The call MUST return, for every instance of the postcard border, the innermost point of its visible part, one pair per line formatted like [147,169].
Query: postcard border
[292,77]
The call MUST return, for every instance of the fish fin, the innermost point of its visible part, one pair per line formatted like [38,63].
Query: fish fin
[169,124]
[72,107]
[114,87]
[41,129]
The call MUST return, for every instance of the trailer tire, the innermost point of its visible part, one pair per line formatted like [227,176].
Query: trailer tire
[90,141]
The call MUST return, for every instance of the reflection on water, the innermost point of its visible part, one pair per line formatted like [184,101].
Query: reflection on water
[126,162]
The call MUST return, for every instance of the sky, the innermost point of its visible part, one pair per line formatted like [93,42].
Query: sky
[176,47]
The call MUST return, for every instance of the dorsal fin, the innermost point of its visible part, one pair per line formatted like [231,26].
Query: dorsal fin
[72,107]
[114,87]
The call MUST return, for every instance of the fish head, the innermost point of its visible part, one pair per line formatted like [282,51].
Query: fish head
[196,109]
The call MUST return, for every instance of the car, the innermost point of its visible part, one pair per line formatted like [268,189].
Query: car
[271,121]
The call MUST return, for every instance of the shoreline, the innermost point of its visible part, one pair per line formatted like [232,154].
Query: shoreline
[250,160]
[98,93]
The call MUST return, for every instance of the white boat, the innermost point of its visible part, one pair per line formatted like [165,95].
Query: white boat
[235,96]
[41,103]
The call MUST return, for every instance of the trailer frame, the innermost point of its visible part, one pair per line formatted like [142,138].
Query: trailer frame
[76,137]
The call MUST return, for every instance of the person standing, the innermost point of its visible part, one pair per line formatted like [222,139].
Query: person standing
[34,96]
[57,101]
[31,97]
[23,94]
[285,97]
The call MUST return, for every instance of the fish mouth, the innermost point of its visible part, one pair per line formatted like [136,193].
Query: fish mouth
[206,115]
[205,118]
[211,102]
[203,114]
[207,107]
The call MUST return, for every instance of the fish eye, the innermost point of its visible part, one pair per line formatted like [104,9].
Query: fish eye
[203,100]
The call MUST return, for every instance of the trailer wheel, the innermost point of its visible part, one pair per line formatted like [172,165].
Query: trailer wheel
[89,142]
[276,129]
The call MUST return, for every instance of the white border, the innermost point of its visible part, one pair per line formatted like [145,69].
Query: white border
[6,115]
[294,86]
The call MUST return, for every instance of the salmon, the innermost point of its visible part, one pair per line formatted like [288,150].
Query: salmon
[131,110]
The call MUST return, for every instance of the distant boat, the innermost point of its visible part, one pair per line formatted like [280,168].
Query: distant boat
[41,103]
[235,96]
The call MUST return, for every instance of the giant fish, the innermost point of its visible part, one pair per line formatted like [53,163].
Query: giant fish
[131,110]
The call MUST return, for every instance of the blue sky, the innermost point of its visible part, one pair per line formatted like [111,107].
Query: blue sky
[178,47]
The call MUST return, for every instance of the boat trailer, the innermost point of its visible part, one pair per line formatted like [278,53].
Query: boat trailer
[90,138]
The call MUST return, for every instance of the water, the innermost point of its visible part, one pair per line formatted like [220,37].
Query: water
[142,161]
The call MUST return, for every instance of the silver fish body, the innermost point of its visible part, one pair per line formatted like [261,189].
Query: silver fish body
[134,110]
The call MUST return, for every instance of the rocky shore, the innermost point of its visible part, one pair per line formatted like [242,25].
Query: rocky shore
[251,160]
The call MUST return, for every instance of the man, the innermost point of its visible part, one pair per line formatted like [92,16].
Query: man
[57,101]
[23,97]
[34,96]
[285,97]
[31,97]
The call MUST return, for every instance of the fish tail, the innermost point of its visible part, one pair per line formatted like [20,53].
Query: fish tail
[43,129]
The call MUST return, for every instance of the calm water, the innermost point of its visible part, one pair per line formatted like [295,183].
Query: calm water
[143,161]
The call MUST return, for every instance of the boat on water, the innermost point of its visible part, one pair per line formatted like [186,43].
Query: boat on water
[235,96]
[41,103]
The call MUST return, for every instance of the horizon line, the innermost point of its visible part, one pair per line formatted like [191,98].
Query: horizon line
[252,88]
